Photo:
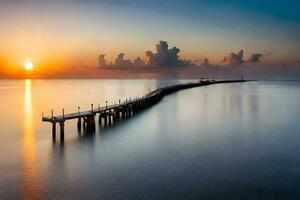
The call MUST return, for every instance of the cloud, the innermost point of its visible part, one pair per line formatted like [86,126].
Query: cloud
[205,61]
[138,62]
[149,57]
[255,57]
[234,59]
[101,60]
[164,56]
[120,61]
[237,59]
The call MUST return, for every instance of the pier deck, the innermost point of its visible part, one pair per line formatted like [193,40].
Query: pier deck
[122,110]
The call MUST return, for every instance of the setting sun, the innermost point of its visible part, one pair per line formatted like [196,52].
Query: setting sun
[28,65]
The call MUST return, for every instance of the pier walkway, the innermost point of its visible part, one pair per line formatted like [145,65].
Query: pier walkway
[109,114]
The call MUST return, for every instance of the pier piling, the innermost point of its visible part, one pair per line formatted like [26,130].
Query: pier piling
[90,123]
[79,124]
[62,130]
[54,131]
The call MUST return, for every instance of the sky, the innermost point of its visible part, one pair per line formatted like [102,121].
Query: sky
[59,33]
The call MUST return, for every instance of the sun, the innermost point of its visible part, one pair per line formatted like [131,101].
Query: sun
[28,65]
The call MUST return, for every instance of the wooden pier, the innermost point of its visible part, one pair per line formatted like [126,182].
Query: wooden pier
[109,114]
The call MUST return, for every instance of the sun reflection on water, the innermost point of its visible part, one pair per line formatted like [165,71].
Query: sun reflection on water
[31,183]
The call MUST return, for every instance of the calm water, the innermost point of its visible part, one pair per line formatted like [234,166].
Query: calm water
[231,141]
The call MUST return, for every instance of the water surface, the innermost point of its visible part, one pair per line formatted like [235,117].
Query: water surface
[229,141]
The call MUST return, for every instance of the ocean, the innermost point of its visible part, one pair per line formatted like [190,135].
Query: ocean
[225,141]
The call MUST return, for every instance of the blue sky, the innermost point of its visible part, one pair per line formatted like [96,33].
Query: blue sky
[200,28]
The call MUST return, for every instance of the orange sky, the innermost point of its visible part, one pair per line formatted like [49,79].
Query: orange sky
[59,34]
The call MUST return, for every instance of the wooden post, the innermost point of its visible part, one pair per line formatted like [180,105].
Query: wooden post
[105,120]
[53,131]
[109,119]
[90,126]
[63,111]
[79,124]
[84,123]
[78,109]
[92,106]
[117,113]
[114,118]
[106,104]
[99,119]
[62,130]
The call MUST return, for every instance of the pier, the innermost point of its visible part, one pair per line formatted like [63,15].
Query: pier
[109,114]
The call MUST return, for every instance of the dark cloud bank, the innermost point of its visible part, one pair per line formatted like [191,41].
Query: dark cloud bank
[163,57]
[237,59]
[168,57]
[166,63]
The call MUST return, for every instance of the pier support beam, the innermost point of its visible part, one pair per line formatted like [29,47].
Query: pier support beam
[62,130]
[99,119]
[105,120]
[117,114]
[114,117]
[90,123]
[123,113]
[54,131]
[109,119]
[79,124]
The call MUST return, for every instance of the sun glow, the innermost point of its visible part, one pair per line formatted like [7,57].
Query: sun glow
[28,65]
